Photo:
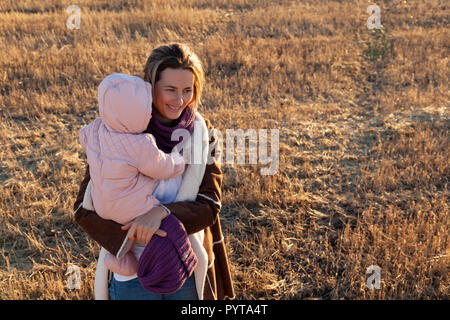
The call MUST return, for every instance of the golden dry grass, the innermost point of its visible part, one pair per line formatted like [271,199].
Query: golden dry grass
[364,142]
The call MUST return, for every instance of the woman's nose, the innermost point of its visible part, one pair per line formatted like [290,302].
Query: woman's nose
[178,99]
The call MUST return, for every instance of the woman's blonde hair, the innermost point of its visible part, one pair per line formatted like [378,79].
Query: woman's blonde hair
[175,56]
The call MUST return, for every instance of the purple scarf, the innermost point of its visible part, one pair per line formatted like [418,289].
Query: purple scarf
[163,132]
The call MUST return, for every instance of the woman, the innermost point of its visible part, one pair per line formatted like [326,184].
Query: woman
[176,75]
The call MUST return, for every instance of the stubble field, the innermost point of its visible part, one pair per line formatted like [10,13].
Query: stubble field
[364,138]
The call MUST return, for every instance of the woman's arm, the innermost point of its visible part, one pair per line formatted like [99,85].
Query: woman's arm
[108,233]
[204,211]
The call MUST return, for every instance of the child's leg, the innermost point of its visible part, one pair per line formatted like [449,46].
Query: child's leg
[126,266]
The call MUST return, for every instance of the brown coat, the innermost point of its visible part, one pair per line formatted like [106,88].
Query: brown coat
[195,216]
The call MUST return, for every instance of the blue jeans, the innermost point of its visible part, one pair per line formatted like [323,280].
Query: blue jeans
[133,290]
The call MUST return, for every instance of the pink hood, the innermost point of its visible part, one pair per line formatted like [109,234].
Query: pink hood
[125,103]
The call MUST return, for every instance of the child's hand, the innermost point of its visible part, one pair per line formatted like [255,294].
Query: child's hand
[186,154]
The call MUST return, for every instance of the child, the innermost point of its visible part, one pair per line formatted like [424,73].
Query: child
[126,165]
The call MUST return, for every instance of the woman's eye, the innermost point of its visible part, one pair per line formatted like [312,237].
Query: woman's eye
[174,90]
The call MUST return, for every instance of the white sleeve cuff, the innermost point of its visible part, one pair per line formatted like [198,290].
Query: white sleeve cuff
[167,209]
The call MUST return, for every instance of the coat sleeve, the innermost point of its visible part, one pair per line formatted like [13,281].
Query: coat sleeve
[204,211]
[156,164]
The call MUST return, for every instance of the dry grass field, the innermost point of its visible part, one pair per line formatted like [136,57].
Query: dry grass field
[364,137]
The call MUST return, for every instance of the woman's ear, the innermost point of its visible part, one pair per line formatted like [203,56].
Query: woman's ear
[193,102]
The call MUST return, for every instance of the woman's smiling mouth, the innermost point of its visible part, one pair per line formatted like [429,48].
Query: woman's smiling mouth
[173,108]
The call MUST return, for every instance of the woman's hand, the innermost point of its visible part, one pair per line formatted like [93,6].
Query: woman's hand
[143,227]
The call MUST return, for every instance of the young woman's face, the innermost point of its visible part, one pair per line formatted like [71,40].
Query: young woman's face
[173,92]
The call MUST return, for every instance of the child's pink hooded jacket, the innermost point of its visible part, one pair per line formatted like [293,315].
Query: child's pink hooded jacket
[123,161]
